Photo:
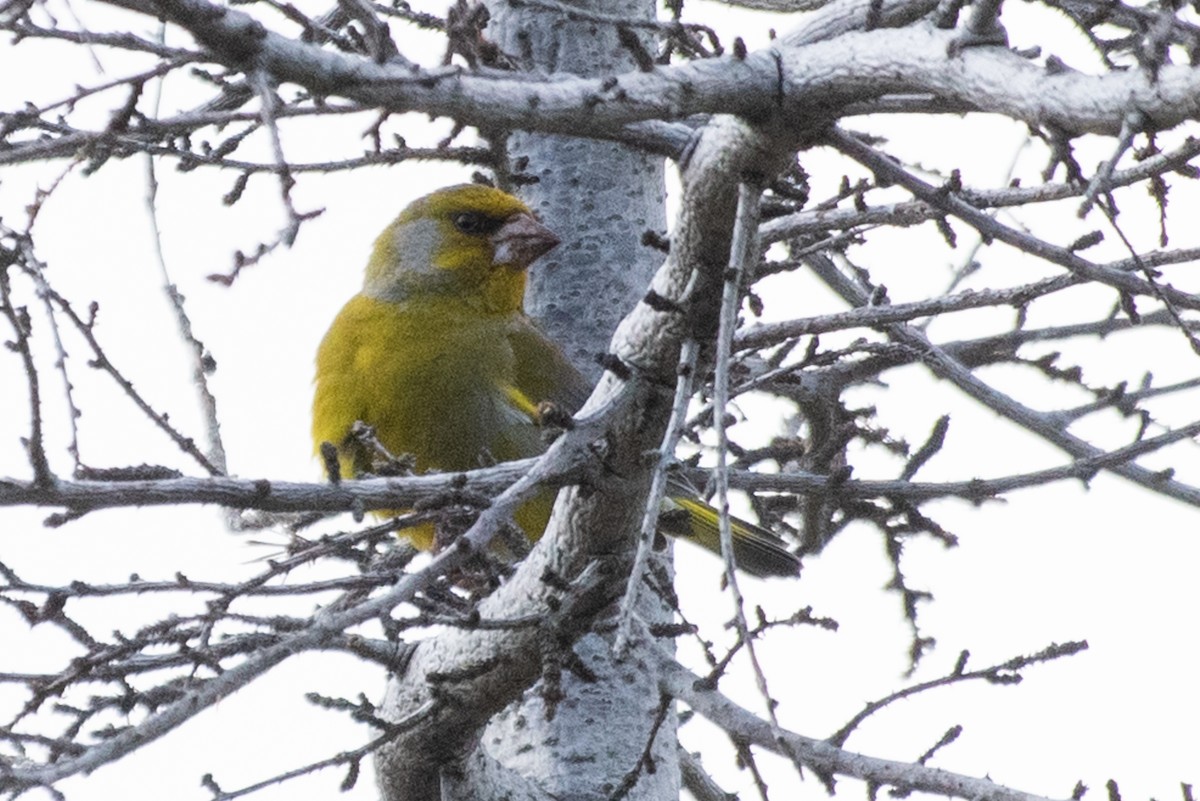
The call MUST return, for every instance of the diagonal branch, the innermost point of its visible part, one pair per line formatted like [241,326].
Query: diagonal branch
[990,228]
[944,365]
[822,756]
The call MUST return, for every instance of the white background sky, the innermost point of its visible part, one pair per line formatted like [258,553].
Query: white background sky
[1112,564]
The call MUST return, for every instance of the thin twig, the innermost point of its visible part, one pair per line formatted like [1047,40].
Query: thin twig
[658,489]
[18,318]
[743,253]
[201,360]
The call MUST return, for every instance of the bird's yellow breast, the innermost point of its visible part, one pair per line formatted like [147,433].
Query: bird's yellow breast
[416,372]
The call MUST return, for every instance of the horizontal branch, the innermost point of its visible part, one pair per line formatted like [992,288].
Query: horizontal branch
[761,335]
[765,334]
[976,489]
[806,83]
[915,212]
[391,493]
[260,493]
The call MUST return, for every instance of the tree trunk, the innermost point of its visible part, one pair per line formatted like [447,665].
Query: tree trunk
[600,198]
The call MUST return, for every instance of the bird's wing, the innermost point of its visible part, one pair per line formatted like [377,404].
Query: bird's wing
[542,371]
[756,550]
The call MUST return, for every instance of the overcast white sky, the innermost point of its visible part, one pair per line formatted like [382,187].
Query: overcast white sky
[1112,564]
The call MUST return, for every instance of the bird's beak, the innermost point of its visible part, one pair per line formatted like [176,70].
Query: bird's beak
[521,240]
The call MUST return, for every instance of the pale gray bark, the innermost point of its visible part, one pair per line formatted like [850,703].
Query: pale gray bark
[805,84]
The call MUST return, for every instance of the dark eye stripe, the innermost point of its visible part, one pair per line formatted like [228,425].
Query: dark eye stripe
[472,222]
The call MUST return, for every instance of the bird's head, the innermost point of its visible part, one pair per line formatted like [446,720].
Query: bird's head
[469,242]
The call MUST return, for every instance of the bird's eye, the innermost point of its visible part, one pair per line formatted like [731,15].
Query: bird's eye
[471,222]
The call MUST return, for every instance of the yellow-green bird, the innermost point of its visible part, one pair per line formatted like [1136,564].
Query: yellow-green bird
[437,355]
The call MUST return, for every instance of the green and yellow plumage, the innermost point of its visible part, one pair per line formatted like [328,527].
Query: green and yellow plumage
[437,355]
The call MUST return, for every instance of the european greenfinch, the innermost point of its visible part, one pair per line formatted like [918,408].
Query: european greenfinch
[437,355]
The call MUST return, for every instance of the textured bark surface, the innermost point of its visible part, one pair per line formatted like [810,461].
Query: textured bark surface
[601,197]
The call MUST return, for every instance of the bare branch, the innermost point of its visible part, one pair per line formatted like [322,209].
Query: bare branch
[887,61]
[821,755]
